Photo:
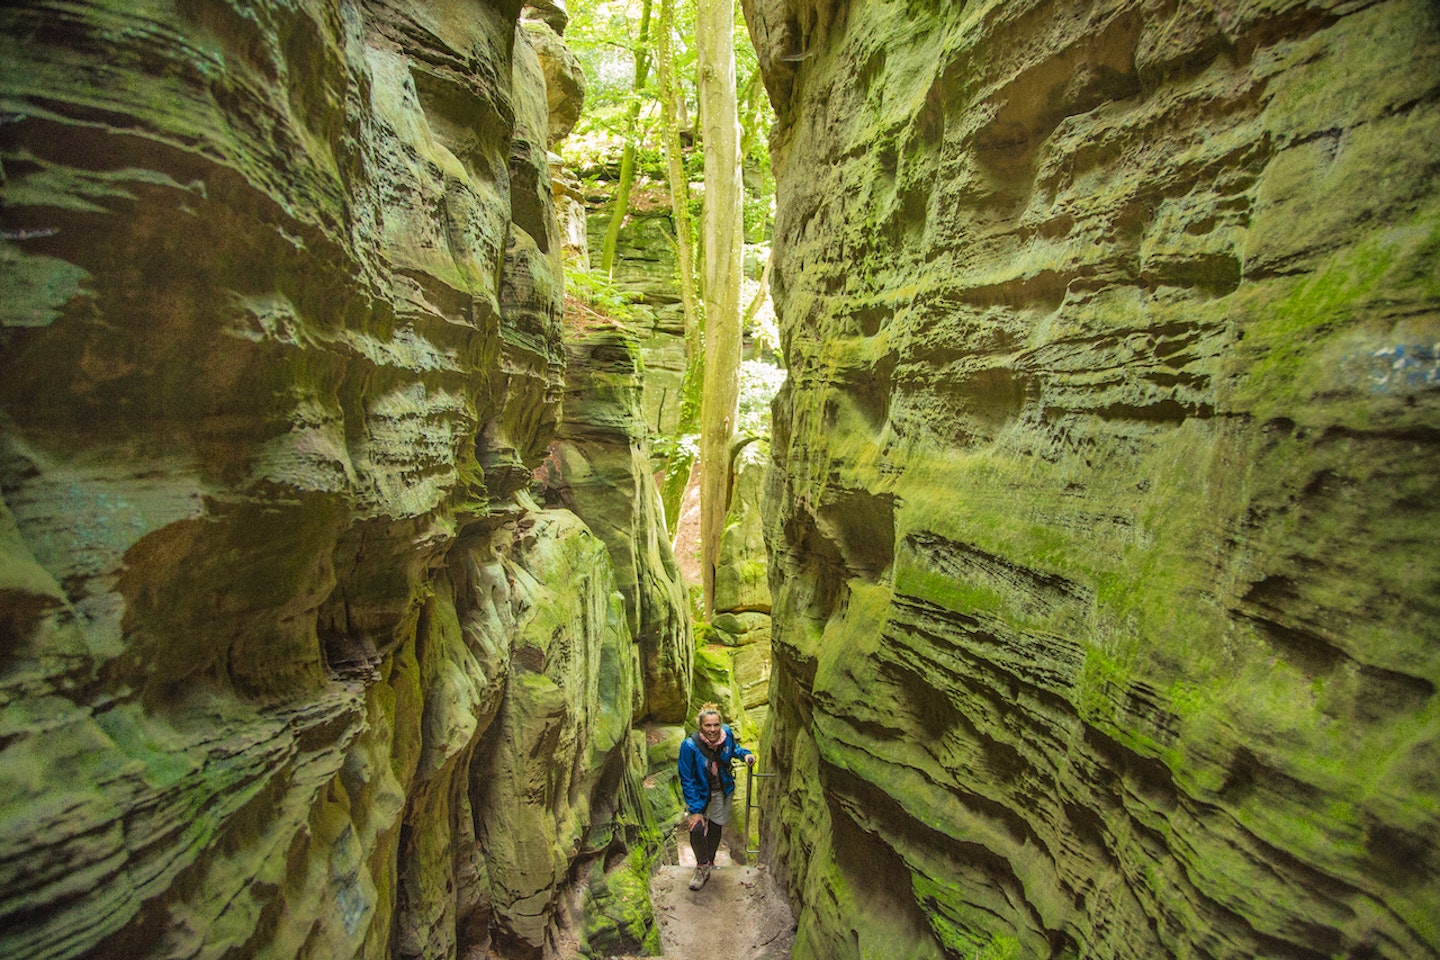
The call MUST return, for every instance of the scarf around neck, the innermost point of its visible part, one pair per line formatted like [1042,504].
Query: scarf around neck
[711,752]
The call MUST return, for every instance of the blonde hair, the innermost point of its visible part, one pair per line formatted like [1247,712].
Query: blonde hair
[708,709]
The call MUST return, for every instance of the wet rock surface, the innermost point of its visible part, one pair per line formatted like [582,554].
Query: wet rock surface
[1102,510]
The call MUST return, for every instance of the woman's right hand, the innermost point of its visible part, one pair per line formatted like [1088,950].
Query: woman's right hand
[693,821]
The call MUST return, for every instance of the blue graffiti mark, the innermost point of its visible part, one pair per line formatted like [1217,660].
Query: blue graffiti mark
[350,897]
[354,905]
[1403,367]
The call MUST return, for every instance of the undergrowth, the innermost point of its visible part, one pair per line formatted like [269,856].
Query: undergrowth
[594,299]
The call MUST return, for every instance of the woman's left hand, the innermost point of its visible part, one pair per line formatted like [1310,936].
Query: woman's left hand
[749,759]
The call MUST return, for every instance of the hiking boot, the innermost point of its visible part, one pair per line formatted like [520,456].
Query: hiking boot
[702,874]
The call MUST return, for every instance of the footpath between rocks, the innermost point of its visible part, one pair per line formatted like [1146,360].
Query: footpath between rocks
[741,914]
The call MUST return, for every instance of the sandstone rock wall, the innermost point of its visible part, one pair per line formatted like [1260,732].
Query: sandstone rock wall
[742,591]
[599,467]
[1104,500]
[645,266]
[290,663]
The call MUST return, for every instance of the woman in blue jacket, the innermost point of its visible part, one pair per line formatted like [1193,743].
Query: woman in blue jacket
[708,785]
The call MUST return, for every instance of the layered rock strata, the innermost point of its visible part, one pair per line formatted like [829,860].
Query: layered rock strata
[1104,494]
[645,268]
[292,664]
[599,467]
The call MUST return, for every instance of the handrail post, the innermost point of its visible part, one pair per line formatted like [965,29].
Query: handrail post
[750,777]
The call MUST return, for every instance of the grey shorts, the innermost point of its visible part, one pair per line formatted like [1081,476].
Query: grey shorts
[718,809]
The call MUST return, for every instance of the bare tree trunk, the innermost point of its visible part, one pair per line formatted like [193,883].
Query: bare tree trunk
[758,301]
[722,228]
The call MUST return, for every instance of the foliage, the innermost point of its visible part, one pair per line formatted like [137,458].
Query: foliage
[603,34]
[679,453]
[759,382]
[592,298]
[760,207]
[685,446]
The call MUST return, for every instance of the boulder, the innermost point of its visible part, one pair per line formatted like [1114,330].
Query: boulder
[554,13]
[740,629]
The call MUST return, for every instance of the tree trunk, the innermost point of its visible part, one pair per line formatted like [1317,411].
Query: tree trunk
[677,470]
[722,229]
[679,182]
[627,157]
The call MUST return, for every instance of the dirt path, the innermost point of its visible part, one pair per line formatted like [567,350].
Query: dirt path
[741,914]
[738,915]
[687,531]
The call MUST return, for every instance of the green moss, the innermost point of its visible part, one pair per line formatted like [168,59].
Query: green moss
[1000,947]
[1285,353]
[1313,307]
[714,682]
[945,909]
[1100,685]
[951,593]
[620,915]
[942,901]
[36,288]
[752,570]
[1186,699]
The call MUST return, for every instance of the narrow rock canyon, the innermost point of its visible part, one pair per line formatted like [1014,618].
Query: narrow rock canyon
[338,617]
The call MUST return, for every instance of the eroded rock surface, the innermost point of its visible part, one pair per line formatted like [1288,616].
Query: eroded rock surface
[645,267]
[599,467]
[1105,487]
[291,664]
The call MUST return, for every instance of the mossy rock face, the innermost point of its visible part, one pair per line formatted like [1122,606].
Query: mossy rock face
[280,347]
[645,258]
[1104,598]
[751,668]
[662,780]
[741,629]
[540,771]
[741,581]
[599,467]
[619,917]
[715,683]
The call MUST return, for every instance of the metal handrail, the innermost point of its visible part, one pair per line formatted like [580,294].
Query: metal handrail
[750,803]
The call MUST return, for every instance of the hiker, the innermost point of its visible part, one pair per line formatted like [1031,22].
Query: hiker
[708,785]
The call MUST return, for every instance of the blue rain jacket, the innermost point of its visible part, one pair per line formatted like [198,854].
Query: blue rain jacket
[693,781]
